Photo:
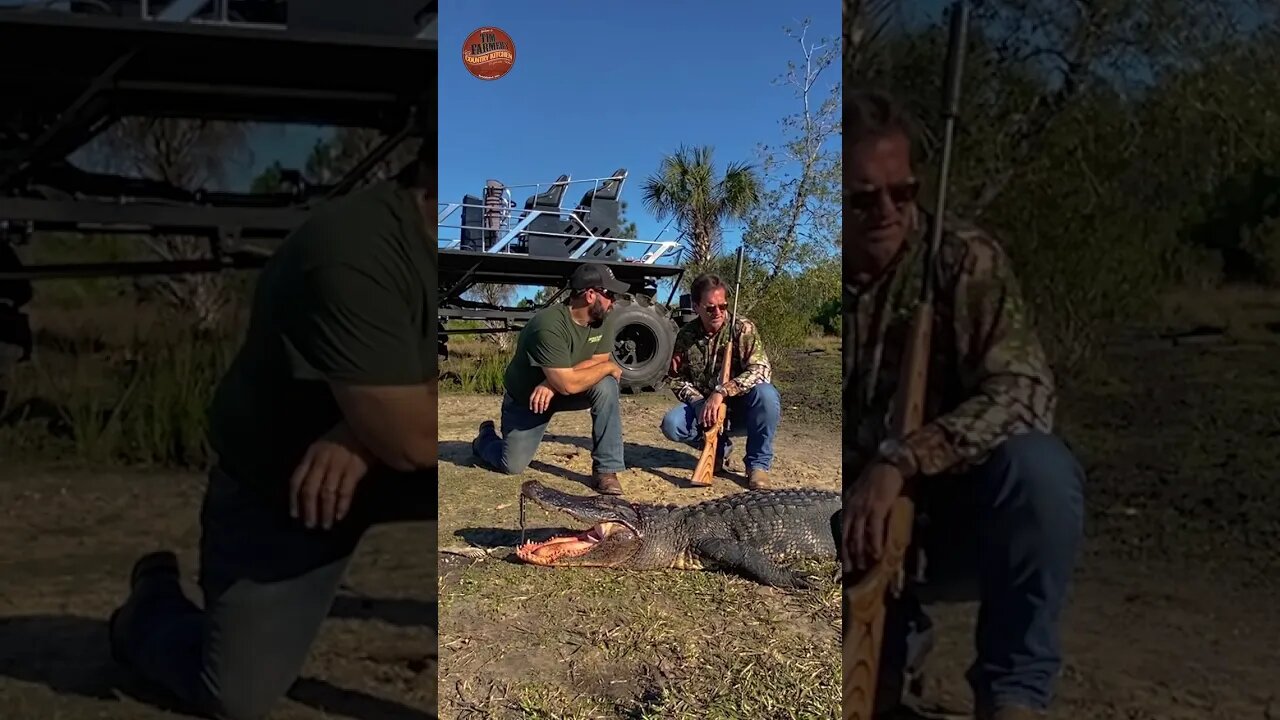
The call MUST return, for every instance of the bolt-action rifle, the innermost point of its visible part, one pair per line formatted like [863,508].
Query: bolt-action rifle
[706,468]
[864,611]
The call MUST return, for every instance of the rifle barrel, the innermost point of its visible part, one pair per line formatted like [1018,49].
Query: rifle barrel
[954,72]
[737,287]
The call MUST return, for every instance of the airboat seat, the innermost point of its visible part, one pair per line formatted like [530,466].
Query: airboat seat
[472,224]
[550,198]
[608,190]
[602,209]
[548,204]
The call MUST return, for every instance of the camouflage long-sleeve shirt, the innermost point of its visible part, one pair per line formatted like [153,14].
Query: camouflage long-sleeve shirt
[988,375]
[698,360]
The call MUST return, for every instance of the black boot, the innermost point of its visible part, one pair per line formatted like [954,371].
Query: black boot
[152,574]
[487,429]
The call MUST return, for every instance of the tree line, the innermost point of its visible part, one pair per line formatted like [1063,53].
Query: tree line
[1118,148]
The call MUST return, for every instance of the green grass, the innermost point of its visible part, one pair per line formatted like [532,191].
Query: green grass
[92,399]
[809,380]
[672,644]
[473,367]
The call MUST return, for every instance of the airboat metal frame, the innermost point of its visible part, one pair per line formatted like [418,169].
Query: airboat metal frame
[192,59]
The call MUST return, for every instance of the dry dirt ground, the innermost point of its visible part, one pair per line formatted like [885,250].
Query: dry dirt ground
[69,539]
[1172,615]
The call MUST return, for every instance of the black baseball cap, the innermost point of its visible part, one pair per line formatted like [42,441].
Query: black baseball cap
[595,275]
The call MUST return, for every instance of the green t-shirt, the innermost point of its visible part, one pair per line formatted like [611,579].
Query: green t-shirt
[350,297]
[552,339]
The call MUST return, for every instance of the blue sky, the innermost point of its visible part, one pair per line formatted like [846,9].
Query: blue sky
[598,85]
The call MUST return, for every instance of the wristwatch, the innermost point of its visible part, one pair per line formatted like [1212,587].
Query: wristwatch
[720,389]
[897,454]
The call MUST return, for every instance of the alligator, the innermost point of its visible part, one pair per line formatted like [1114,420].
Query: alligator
[753,532]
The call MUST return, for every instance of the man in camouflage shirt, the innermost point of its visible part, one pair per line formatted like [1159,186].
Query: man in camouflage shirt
[697,364]
[989,476]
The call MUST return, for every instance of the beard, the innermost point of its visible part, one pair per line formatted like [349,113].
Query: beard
[597,313]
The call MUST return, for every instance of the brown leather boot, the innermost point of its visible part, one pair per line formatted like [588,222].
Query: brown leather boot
[608,484]
[758,479]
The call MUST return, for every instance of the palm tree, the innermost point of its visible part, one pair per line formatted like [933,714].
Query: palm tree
[686,188]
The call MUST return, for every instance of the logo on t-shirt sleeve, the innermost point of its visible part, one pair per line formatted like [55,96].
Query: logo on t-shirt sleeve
[594,338]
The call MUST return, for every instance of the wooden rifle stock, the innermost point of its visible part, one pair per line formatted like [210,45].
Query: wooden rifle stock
[706,467]
[865,601]
[864,611]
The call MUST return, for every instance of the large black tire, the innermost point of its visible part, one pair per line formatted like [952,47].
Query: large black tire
[643,343]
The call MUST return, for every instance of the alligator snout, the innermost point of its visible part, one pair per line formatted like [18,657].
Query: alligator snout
[590,509]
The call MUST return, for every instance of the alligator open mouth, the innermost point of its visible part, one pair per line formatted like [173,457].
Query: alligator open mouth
[560,547]
[610,538]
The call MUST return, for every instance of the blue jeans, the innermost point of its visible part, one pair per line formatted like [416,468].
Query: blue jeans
[268,584]
[754,413]
[522,430]
[1023,512]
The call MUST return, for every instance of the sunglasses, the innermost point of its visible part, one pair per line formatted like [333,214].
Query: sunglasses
[608,294]
[722,307]
[867,200]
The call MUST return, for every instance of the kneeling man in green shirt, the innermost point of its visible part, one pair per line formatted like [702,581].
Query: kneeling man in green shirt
[324,426]
[562,362]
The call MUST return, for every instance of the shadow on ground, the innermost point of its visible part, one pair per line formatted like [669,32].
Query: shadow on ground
[656,461]
[341,702]
[401,612]
[491,538]
[69,654]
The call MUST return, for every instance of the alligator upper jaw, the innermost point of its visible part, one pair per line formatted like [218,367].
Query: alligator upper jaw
[552,552]
[599,510]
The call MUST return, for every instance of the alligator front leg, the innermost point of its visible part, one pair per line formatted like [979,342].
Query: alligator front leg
[752,562]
